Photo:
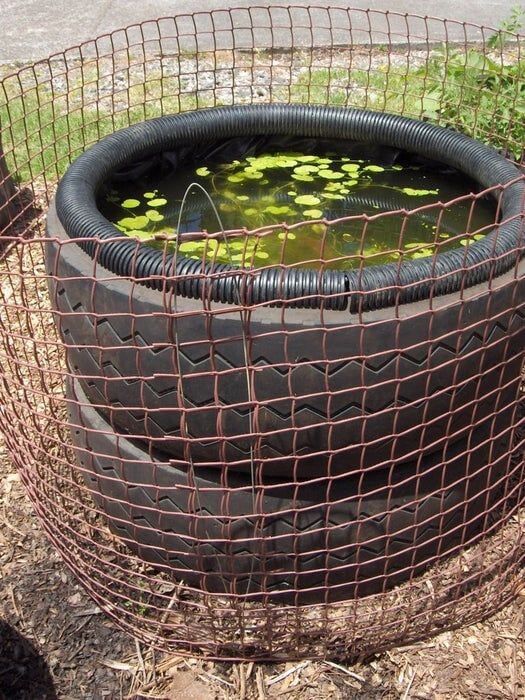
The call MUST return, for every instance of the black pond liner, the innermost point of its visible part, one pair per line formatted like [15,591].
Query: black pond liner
[373,287]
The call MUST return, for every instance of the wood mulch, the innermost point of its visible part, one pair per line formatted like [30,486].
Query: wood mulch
[55,643]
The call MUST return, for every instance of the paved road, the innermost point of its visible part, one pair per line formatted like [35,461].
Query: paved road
[33,29]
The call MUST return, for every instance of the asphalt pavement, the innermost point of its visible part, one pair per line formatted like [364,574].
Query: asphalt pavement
[34,29]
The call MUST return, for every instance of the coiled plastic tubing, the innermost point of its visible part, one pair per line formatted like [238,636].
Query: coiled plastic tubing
[372,287]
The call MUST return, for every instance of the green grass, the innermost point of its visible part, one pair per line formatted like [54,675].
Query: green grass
[42,133]
[474,91]
[468,91]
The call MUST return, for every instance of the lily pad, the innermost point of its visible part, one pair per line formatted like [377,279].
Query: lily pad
[154,215]
[308,200]
[130,203]
[134,222]
[286,163]
[252,174]
[159,202]
[374,168]
[418,193]
[203,172]
[277,211]
[302,178]
[330,175]
[142,236]
[422,253]
[191,247]
[305,169]
[351,167]
[313,213]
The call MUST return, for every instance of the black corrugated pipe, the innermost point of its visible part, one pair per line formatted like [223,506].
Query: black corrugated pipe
[372,287]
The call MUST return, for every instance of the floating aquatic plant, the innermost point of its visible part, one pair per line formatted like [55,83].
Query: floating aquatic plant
[288,188]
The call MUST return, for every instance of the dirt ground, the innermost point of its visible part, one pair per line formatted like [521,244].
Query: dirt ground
[55,643]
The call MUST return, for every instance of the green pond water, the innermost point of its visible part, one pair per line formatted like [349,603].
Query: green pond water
[271,188]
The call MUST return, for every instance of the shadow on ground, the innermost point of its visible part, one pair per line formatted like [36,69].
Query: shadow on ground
[23,672]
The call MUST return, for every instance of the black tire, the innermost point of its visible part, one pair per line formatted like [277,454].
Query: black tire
[199,525]
[375,286]
[404,384]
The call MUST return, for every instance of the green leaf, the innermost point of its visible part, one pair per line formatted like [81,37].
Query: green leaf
[150,195]
[159,202]
[142,236]
[252,174]
[374,168]
[351,167]
[307,200]
[313,213]
[302,178]
[277,211]
[417,193]
[130,203]
[305,169]
[284,162]
[203,172]
[134,222]
[191,247]
[330,175]
[154,215]
[422,253]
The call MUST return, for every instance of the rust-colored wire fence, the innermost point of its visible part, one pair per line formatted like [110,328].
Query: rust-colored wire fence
[314,473]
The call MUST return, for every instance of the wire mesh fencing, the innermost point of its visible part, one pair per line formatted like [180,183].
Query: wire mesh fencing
[245,444]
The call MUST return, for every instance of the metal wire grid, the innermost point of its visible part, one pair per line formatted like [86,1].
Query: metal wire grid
[85,496]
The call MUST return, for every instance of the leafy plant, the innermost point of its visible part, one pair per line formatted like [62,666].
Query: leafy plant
[478,91]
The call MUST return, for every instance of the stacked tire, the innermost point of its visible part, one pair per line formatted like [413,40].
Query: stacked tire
[361,449]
